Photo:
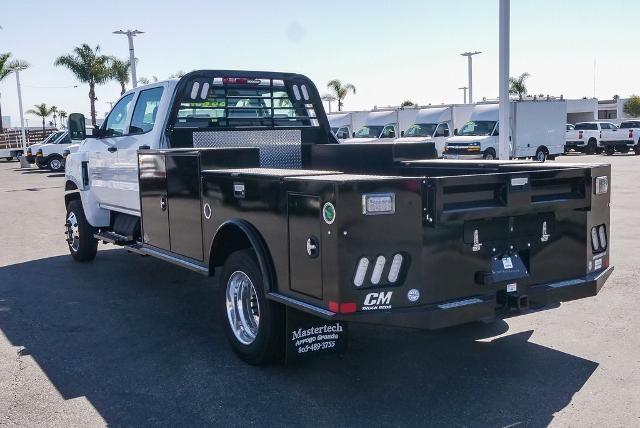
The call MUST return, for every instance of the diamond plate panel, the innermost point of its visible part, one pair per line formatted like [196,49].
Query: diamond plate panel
[279,148]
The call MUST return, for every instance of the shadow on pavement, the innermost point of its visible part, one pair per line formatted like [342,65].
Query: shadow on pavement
[141,340]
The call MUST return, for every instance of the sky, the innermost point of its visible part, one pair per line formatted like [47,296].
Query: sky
[390,50]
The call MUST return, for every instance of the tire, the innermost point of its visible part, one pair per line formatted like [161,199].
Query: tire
[82,245]
[592,147]
[609,150]
[489,154]
[623,149]
[541,155]
[9,158]
[55,164]
[260,341]
[40,165]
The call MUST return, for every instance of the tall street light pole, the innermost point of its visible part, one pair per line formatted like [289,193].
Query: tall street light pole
[132,56]
[464,88]
[469,56]
[504,138]
[23,133]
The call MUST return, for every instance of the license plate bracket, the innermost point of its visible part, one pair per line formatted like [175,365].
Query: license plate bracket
[507,268]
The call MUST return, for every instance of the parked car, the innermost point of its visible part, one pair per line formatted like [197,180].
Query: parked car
[537,131]
[436,124]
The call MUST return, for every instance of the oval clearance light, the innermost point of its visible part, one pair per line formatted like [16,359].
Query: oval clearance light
[602,233]
[361,272]
[205,90]
[376,275]
[594,240]
[394,270]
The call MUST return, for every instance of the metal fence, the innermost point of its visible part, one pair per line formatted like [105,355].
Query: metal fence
[13,139]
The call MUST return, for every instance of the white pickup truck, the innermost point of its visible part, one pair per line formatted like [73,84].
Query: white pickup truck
[595,137]
[629,129]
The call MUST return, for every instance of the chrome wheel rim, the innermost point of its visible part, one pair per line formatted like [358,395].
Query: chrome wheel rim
[72,232]
[541,156]
[55,164]
[243,308]
[489,156]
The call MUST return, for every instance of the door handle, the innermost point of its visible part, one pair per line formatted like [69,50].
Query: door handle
[112,149]
[313,245]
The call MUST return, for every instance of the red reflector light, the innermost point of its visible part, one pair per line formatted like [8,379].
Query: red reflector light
[239,80]
[342,308]
[631,133]
[347,308]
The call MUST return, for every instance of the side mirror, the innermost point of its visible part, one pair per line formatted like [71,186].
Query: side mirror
[353,134]
[77,127]
[455,131]
[445,133]
[402,133]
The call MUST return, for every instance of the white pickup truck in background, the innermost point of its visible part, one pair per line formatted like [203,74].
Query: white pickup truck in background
[630,130]
[592,137]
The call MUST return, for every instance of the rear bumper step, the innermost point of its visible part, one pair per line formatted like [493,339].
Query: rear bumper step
[477,308]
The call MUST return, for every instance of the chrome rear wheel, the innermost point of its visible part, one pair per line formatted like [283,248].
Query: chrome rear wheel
[243,307]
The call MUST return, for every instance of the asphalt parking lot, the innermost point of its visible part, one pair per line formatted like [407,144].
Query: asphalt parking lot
[130,340]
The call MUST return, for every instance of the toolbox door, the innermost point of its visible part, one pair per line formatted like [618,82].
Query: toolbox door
[153,200]
[305,252]
[183,190]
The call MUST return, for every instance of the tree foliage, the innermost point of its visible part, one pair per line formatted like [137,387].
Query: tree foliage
[632,106]
[340,91]
[517,85]
[41,110]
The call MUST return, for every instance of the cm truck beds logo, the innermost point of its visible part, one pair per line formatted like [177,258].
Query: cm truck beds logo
[375,301]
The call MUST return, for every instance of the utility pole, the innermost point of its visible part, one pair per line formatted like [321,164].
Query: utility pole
[132,56]
[24,134]
[464,88]
[469,56]
[504,139]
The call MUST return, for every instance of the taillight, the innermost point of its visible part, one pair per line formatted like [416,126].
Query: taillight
[601,135]
[580,135]
[631,133]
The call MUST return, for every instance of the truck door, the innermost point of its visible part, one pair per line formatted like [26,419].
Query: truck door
[103,157]
[305,256]
[154,201]
[141,132]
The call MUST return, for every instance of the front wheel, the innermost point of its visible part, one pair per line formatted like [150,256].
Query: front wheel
[55,164]
[254,325]
[82,245]
[541,155]
[489,154]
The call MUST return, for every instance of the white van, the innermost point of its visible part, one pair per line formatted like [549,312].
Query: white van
[383,125]
[537,129]
[436,124]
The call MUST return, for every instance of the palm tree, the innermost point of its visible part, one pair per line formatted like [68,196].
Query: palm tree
[42,111]
[517,85]
[329,98]
[120,72]
[62,115]
[8,66]
[340,90]
[89,66]
[54,111]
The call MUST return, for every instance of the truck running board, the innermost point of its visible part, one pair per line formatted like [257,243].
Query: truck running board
[145,250]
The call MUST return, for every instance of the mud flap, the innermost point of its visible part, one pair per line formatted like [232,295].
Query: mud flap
[309,335]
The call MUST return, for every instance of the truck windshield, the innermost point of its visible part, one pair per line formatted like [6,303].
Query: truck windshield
[478,128]
[369,132]
[421,130]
